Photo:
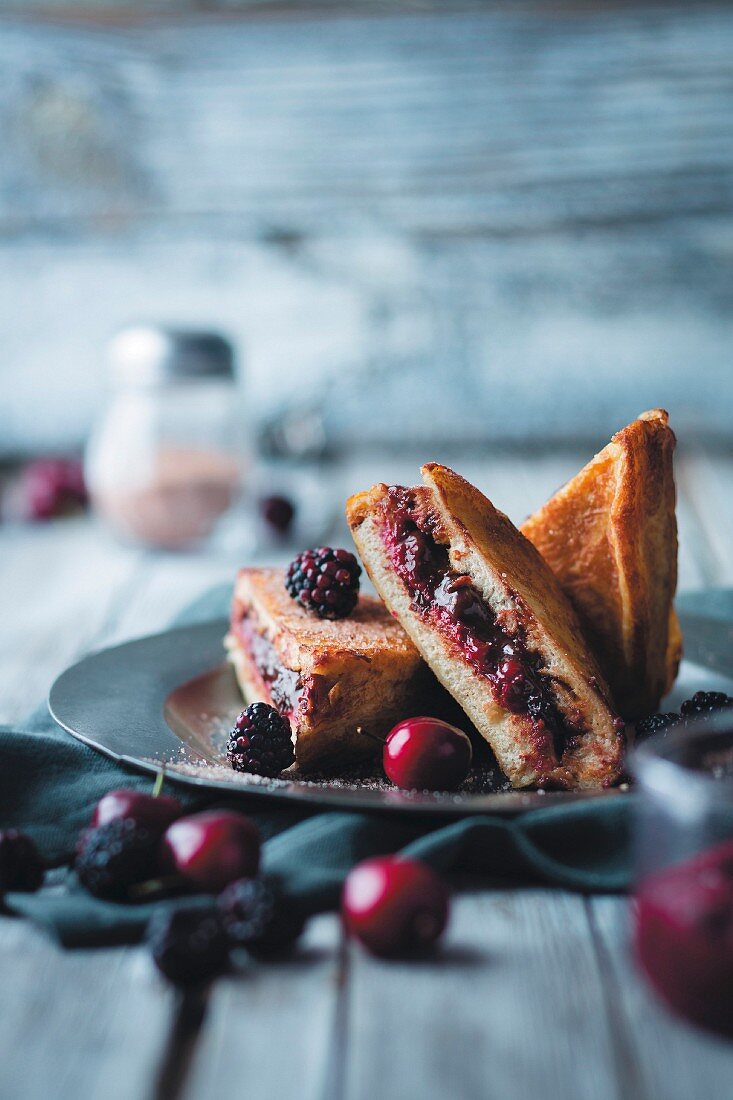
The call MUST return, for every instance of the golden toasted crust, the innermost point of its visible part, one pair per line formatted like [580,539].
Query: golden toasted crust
[526,597]
[674,650]
[359,505]
[610,536]
[354,676]
[302,639]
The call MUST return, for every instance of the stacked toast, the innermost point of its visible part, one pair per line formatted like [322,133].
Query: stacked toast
[549,637]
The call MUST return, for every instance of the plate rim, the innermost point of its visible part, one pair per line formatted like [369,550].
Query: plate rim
[453,804]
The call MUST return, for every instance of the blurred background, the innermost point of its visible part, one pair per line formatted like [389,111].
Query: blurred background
[431,227]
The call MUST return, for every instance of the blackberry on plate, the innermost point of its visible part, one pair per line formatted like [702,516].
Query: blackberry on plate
[257,916]
[325,581]
[655,723]
[188,945]
[705,703]
[261,741]
[113,857]
[21,866]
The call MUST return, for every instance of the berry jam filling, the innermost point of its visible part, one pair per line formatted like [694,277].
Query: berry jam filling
[283,684]
[456,607]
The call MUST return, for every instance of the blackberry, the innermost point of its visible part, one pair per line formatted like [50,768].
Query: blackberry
[705,703]
[325,581]
[260,742]
[257,917]
[655,723]
[113,857]
[21,866]
[188,945]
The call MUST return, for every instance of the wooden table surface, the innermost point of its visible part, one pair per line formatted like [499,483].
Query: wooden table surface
[533,995]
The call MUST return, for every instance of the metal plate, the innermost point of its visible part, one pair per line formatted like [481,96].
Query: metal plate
[169,700]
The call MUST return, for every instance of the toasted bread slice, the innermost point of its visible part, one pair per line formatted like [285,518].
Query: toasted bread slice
[491,620]
[610,537]
[337,681]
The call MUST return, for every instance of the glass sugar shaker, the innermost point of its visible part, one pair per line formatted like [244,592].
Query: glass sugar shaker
[165,461]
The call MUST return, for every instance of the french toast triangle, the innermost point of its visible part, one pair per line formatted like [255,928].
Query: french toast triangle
[335,680]
[610,537]
[489,617]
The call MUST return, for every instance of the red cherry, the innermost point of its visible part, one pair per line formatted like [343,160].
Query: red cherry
[51,487]
[683,936]
[144,809]
[425,754]
[210,850]
[394,906]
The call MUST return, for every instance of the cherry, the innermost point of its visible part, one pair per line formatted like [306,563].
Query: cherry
[156,813]
[425,754]
[683,936]
[209,850]
[394,906]
[52,487]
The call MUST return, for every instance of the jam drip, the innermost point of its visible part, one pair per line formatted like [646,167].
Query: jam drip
[456,607]
[284,684]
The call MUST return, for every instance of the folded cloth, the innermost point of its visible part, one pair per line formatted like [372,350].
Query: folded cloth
[49,784]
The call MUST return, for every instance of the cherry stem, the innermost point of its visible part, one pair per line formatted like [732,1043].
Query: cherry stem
[159,781]
[154,887]
[372,736]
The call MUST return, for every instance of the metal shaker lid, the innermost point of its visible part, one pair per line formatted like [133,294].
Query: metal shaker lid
[152,355]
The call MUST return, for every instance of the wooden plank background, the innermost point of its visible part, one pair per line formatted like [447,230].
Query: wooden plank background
[499,223]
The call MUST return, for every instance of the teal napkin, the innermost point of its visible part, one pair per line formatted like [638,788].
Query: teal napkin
[49,784]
